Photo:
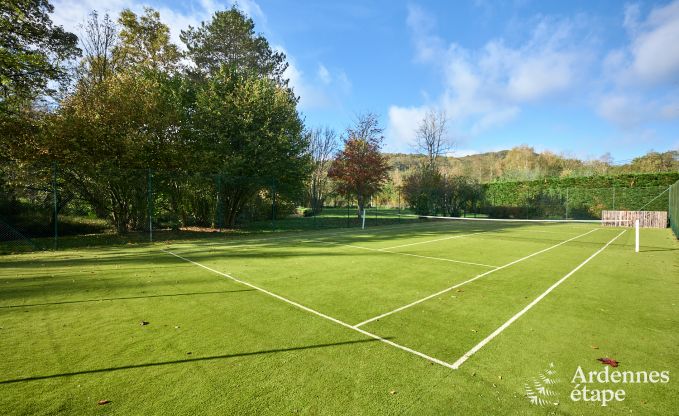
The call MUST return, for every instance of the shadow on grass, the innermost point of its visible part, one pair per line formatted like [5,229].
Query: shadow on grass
[186,361]
[125,298]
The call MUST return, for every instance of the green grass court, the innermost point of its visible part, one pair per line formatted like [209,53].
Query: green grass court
[435,317]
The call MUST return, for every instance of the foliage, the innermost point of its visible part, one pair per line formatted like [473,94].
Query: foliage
[523,163]
[32,51]
[428,192]
[145,41]
[580,197]
[248,127]
[360,169]
[322,146]
[229,39]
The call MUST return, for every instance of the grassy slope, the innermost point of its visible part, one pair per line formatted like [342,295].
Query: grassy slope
[251,353]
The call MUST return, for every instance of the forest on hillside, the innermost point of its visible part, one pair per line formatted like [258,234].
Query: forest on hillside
[523,163]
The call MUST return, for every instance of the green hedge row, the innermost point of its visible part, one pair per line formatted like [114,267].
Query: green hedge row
[579,197]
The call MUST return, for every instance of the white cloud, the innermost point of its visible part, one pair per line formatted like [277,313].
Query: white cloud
[641,77]
[403,122]
[73,13]
[324,74]
[655,49]
[621,109]
[485,88]
[326,90]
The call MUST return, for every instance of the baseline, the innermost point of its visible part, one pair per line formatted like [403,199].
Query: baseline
[511,320]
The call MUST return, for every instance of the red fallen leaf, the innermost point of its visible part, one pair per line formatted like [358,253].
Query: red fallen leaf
[103,402]
[609,361]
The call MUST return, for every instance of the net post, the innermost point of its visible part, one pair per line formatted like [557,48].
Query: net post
[363,222]
[636,235]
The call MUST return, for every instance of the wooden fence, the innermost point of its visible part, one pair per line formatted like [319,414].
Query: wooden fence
[647,219]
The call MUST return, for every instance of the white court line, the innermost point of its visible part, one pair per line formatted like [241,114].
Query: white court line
[383,250]
[315,312]
[471,280]
[433,241]
[511,320]
[313,234]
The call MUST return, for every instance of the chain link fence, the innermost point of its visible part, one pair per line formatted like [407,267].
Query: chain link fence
[53,207]
[673,211]
[575,203]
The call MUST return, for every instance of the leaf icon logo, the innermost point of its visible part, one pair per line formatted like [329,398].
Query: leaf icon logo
[538,391]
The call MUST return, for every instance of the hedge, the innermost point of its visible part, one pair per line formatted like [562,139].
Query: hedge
[577,197]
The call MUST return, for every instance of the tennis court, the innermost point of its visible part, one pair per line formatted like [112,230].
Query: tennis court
[457,314]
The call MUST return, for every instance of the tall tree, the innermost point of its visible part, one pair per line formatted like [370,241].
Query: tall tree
[230,39]
[100,41]
[431,137]
[145,41]
[32,51]
[248,128]
[360,169]
[322,146]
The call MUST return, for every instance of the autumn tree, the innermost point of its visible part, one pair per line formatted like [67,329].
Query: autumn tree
[360,169]
[99,41]
[145,41]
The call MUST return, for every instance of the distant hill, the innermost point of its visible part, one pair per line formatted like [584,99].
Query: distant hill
[524,163]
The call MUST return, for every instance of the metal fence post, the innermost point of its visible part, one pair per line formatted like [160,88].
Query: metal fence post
[399,206]
[54,205]
[613,199]
[149,201]
[566,203]
[273,204]
[218,211]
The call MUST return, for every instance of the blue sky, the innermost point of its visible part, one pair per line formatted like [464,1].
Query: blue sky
[582,78]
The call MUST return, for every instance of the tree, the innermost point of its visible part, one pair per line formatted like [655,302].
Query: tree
[230,39]
[431,138]
[107,134]
[360,169]
[145,41]
[32,51]
[99,43]
[248,128]
[656,162]
[322,146]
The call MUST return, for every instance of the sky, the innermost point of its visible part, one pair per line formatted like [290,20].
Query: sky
[579,78]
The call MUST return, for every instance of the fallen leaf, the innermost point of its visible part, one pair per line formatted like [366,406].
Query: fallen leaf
[594,347]
[142,323]
[608,361]
[103,402]
[392,391]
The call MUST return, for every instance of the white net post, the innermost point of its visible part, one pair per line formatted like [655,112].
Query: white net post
[636,236]
[363,220]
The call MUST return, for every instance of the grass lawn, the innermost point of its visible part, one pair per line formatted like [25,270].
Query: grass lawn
[444,317]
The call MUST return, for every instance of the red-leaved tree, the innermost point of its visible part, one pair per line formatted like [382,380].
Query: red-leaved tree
[360,169]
